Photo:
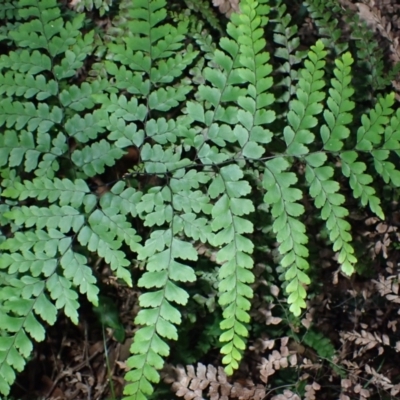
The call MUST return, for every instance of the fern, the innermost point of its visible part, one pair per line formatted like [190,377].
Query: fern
[287,41]
[102,5]
[323,14]
[208,147]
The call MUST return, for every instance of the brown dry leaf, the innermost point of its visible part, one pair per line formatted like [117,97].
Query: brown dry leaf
[345,383]
[293,360]
[274,290]
[395,390]
[227,6]
[287,395]
[388,287]
[74,3]
[310,391]
[273,321]
[306,322]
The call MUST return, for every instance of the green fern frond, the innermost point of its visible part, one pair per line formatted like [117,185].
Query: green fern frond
[323,189]
[207,134]
[10,19]
[370,58]
[368,135]
[45,29]
[322,12]
[158,316]
[63,191]
[102,5]
[26,61]
[235,274]
[391,139]
[289,231]
[285,36]
[204,8]
[308,103]
[337,115]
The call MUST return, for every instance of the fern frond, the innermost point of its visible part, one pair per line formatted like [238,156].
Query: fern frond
[27,86]
[368,135]
[391,141]
[283,198]
[323,189]
[26,61]
[234,275]
[285,36]
[92,159]
[32,264]
[308,103]
[322,12]
[290,232]
[63,191]
[10,19]
[158,316]
[102,5]
[369,58]
[337,115]
[46,29]
[204,8]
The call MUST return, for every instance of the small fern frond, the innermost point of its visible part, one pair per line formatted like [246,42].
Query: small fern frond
[285,36]
[204,8]
[337,116]
[369,135]
[322,12]
[373,125]
[26,61]
[391,143]
[360,181]
[323,189]
[289,231]
[283,198]
[254,115]
[308,103]
[369,58]
[235,273]
[158,316]
[9,10]
[63,191]
[45,29]
[102,5]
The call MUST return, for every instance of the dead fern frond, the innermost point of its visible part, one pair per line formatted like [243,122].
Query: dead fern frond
[388,287]
[367,341]
[277,360]
[190,383]
[378,379]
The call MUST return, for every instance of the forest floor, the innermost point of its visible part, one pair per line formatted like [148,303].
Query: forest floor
[358,318]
